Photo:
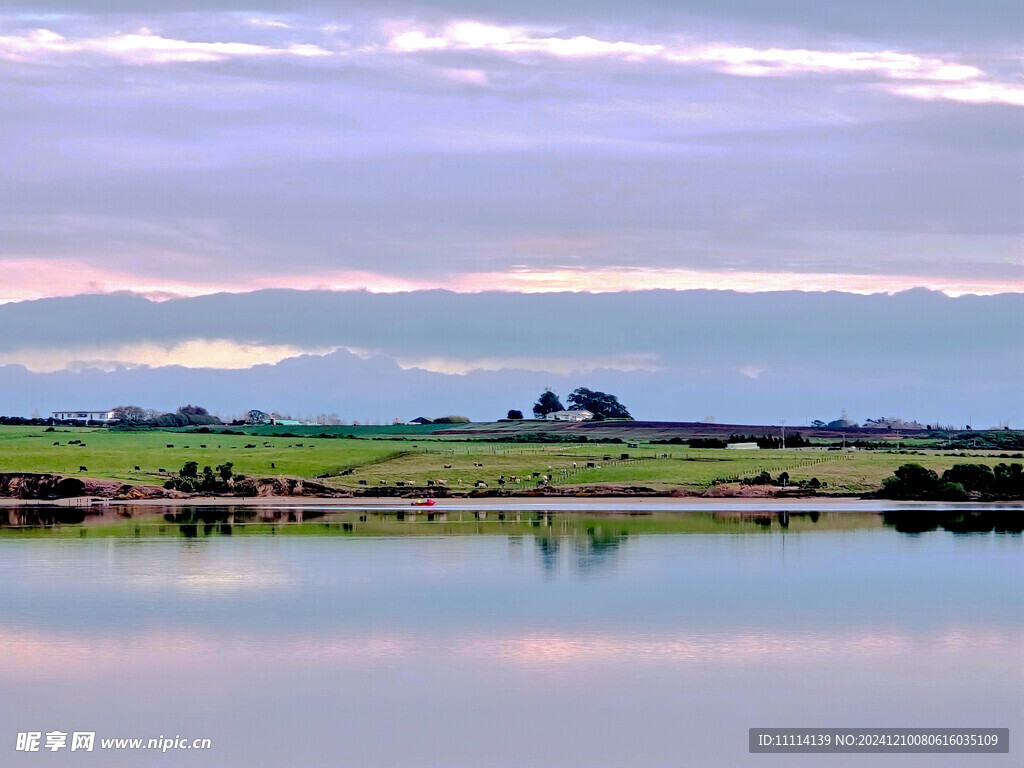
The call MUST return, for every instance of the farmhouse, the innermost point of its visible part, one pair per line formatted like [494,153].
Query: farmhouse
[84,415]
[569,416]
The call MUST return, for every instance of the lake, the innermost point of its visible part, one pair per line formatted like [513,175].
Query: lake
[649,638]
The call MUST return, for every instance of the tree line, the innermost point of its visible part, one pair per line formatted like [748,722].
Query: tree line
[186,415]
[958,483]
[601,404]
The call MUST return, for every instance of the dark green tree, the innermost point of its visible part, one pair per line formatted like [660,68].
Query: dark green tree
[973,477]
[514,415]
[1009,480]
[911,481]
[547,403]
[601,404]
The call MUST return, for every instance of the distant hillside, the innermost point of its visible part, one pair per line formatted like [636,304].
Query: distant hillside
[663,430]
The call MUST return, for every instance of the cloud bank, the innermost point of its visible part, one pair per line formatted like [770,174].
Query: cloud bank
[670,355]
[190,147]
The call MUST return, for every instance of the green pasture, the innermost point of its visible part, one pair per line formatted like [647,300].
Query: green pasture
[866,470]
[418,458]
[113,455]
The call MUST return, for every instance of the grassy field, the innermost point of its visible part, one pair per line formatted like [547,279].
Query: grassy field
[114,455]
[418,457]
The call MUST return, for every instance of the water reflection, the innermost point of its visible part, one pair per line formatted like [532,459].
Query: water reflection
[956,520]
[542,638]
[596,535]
[598,549]
[40,516]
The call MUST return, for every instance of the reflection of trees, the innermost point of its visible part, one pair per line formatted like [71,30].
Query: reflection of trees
[548,548]
[211,519]
[956,520]
[40,516]
[592,549]
[597,549]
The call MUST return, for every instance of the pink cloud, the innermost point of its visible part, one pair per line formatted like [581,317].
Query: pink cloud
[26,278]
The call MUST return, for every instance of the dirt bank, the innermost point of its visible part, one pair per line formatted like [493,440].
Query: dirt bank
[46,486]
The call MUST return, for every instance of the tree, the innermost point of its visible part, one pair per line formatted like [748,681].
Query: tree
[515,415]
[255,416]
[453,419]
[601,404]
[973,477]
[547,403]
[196,414]
[911,481]
[189,469]
[818,424]
[130,414]
[169,420]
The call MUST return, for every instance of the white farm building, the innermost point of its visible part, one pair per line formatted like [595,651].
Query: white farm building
[84,415]
[569,416]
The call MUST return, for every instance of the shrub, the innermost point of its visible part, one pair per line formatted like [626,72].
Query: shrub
[971,477]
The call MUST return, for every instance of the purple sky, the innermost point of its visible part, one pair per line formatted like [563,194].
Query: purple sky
[187,148]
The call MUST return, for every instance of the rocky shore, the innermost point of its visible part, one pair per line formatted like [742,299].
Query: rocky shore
[47,486]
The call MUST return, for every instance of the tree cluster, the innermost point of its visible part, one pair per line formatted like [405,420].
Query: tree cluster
[186,415]
[190,480]
[793,440]
[959,482]
[602,404]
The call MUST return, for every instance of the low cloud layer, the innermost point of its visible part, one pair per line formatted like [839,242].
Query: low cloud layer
[671,355]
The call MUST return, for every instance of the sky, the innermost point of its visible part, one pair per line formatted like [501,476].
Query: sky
[193,170]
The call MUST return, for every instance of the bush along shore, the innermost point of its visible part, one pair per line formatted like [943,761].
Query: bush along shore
[961,482]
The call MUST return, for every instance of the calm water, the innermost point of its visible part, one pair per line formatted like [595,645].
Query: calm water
[583,642]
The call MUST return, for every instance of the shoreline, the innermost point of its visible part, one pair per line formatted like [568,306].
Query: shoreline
[567,503]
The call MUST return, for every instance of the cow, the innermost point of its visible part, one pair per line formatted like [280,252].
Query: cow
[83,469]
[480,484]
[138,468]
[446,466]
